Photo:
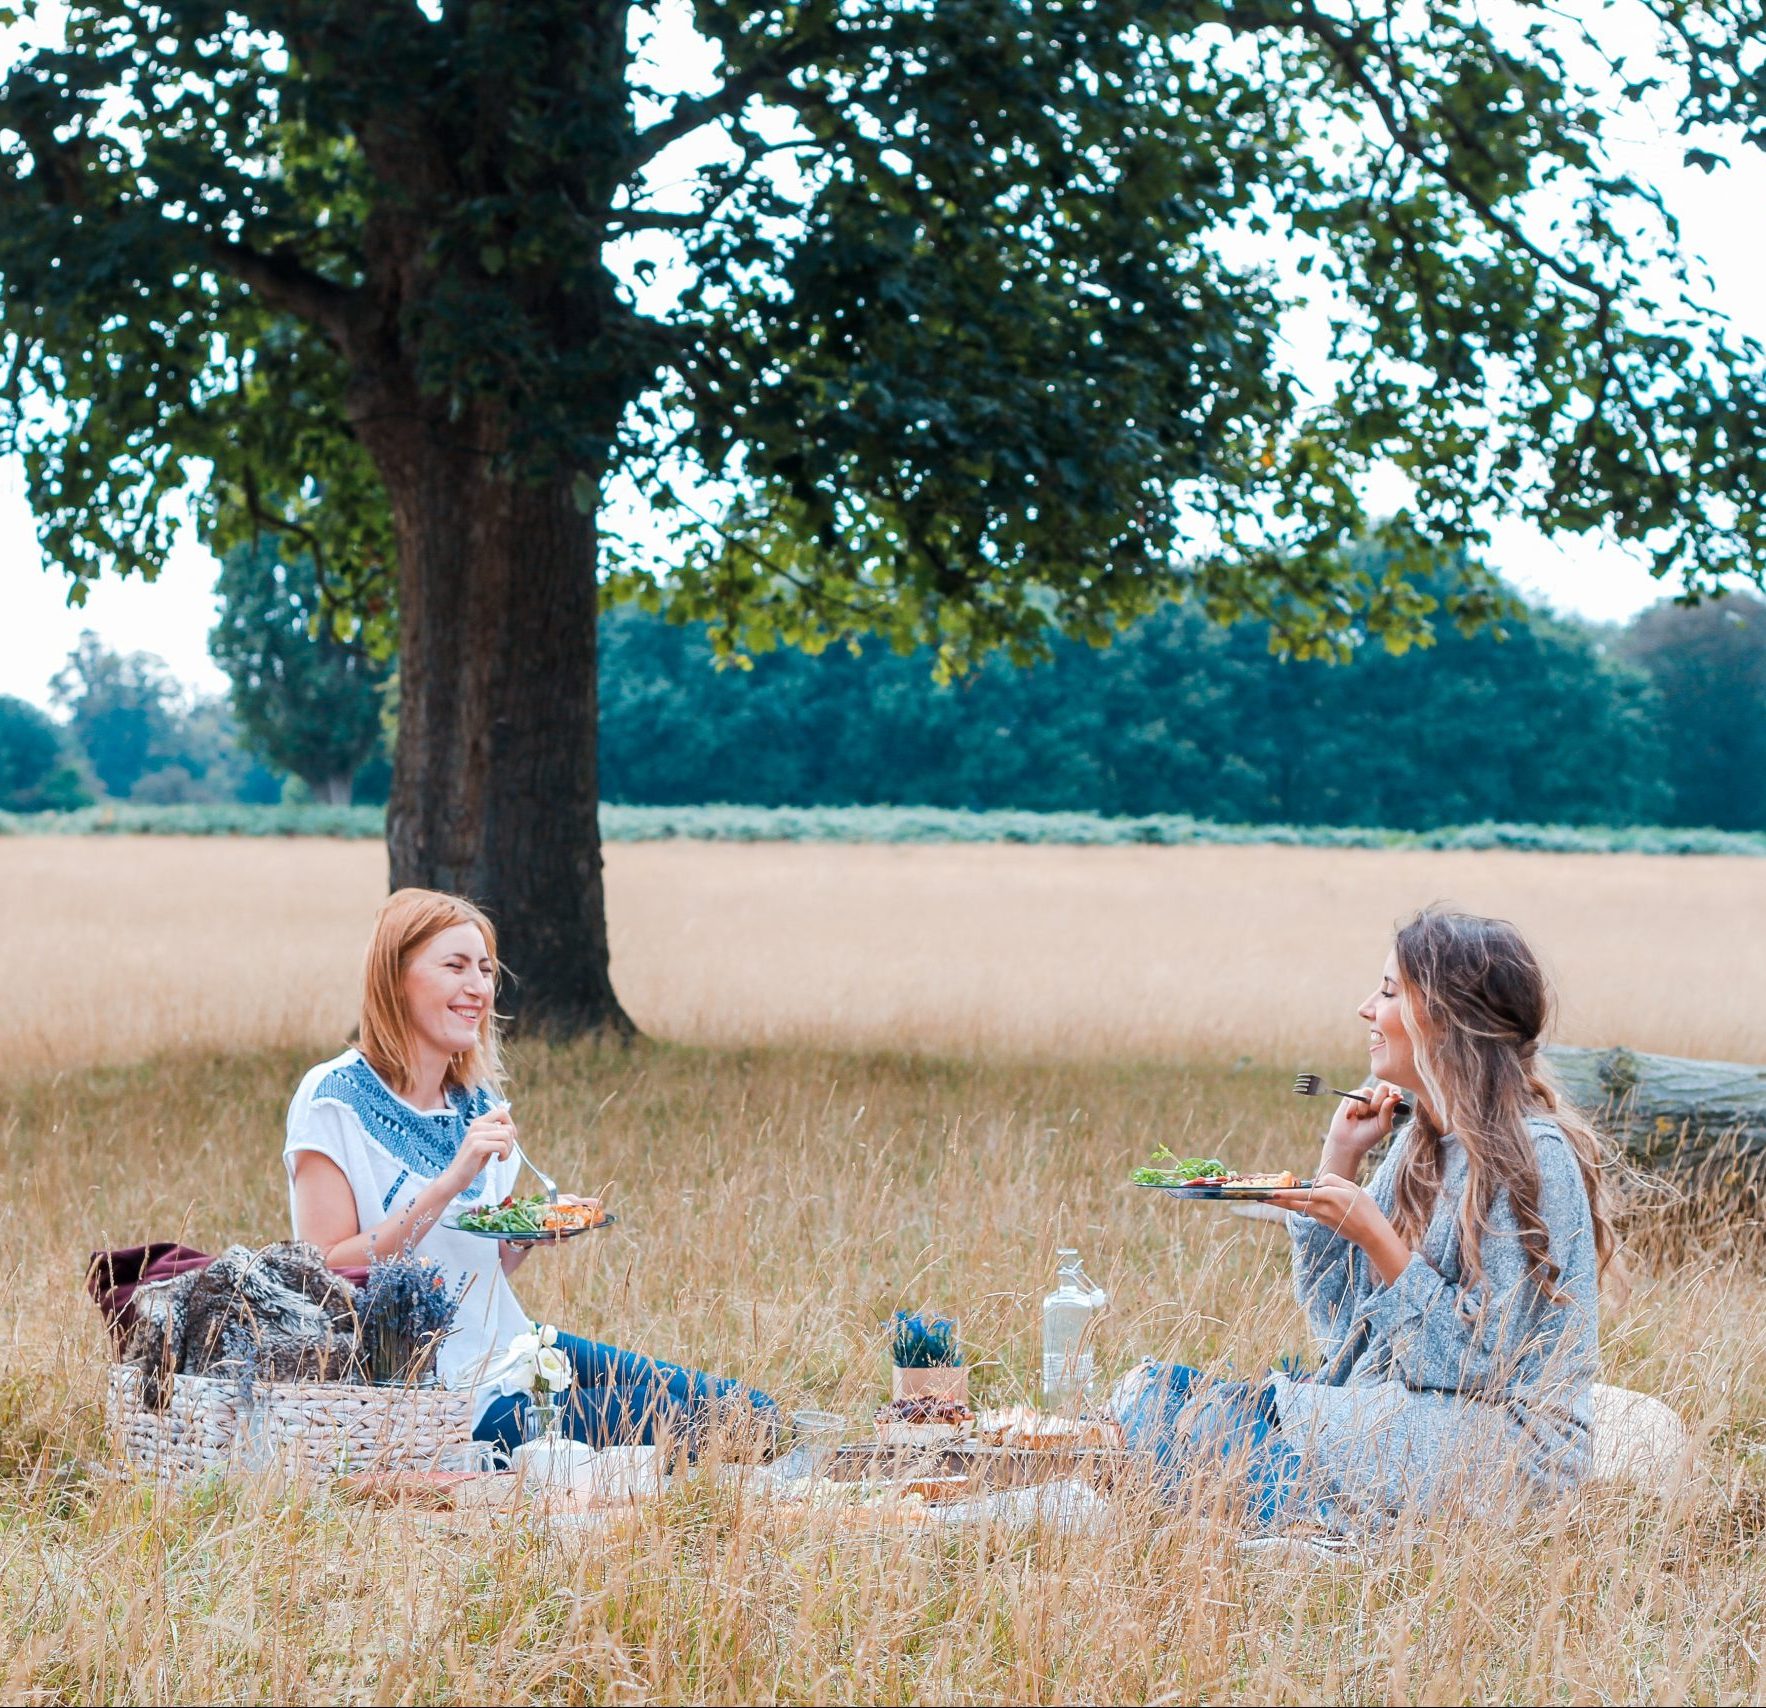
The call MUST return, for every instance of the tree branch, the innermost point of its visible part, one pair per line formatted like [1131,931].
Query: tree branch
[263,517]
[648,219]
[812,591]
[691,115]
[287,284]
[1344,44]
[277,276]
[22,350]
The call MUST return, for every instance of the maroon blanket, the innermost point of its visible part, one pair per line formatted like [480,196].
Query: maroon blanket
[114,1277]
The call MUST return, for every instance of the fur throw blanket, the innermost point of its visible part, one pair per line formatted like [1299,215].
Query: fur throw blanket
[277,1314]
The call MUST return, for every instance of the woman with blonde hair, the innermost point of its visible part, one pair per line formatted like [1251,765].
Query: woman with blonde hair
[412,1125]
[1454,1295]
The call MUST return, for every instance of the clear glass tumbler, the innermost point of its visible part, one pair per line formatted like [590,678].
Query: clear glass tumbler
[474,1458]
[814,1437]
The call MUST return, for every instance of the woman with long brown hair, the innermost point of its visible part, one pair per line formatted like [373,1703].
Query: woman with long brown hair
[411,1125]
[1454,1295]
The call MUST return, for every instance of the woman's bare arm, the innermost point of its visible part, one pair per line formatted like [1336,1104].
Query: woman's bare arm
[325,1204]
[325,1214]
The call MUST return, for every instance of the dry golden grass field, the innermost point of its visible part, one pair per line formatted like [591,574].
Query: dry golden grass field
[139,944]
[877,1077]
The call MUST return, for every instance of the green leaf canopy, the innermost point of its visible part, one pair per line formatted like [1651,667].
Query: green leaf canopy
[976,304]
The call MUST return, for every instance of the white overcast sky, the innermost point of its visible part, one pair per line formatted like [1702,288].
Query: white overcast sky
[1721,222]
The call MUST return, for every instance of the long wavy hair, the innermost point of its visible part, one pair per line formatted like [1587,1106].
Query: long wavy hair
[407,920]
[1477,1006]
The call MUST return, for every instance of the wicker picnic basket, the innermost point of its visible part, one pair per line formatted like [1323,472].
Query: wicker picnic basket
[323,1427]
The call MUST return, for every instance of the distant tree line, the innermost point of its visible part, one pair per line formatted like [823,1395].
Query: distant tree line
[1662,721]
[302,721]
[128,731]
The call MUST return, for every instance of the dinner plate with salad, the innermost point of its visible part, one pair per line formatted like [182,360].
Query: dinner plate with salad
[1207,1177]
[530,1219]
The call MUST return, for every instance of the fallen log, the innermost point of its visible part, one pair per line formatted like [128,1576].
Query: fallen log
[1668,1111]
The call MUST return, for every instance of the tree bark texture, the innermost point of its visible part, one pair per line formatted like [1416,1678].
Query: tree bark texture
[1668,1110]
[494,790]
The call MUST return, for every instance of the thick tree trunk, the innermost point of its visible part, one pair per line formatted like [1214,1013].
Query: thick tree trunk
[494,782]
[1667,1109]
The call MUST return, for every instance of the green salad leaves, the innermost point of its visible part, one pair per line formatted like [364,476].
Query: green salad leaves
[1167,1170]
[512,1216]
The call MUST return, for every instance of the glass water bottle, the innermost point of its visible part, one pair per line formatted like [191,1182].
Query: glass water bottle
[1068,1315]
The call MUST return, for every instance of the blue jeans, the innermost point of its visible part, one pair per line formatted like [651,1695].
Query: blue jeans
[623,1399]
[1182,1421]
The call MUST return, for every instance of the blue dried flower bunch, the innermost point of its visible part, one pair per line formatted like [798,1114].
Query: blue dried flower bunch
[921,1345]
[407,1309]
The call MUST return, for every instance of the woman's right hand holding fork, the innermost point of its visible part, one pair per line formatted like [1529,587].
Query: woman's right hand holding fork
[1356,1128]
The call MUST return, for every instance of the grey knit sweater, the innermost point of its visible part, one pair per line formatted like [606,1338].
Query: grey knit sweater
[1432,1386]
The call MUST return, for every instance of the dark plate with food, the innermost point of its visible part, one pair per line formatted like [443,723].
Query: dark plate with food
[1207,1177]
[530,1220]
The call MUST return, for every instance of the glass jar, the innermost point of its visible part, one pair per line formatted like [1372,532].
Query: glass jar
[541,1420]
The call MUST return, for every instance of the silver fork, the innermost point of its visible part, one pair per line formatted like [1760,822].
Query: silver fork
[1313,1085]
[538,1173]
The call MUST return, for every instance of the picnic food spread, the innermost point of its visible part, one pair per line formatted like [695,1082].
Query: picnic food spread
[1040,1431]
[925,1421]
[922,1420]
[932,1452]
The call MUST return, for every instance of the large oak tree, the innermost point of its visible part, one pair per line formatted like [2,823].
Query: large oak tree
[971,301]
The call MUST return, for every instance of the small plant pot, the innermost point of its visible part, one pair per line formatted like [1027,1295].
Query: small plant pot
[933,1381]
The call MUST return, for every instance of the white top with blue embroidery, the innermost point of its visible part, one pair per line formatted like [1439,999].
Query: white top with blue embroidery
[389,1150]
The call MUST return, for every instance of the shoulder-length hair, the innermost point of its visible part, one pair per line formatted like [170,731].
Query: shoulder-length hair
[407,920]
[1477,1004]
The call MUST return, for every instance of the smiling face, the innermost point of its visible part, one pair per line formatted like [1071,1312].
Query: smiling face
[448,987]
[1391,1054]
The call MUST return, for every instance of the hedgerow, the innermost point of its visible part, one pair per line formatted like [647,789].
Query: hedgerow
[902,825]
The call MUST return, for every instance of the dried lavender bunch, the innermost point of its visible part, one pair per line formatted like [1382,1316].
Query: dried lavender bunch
[239,1347]
[407,1310]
